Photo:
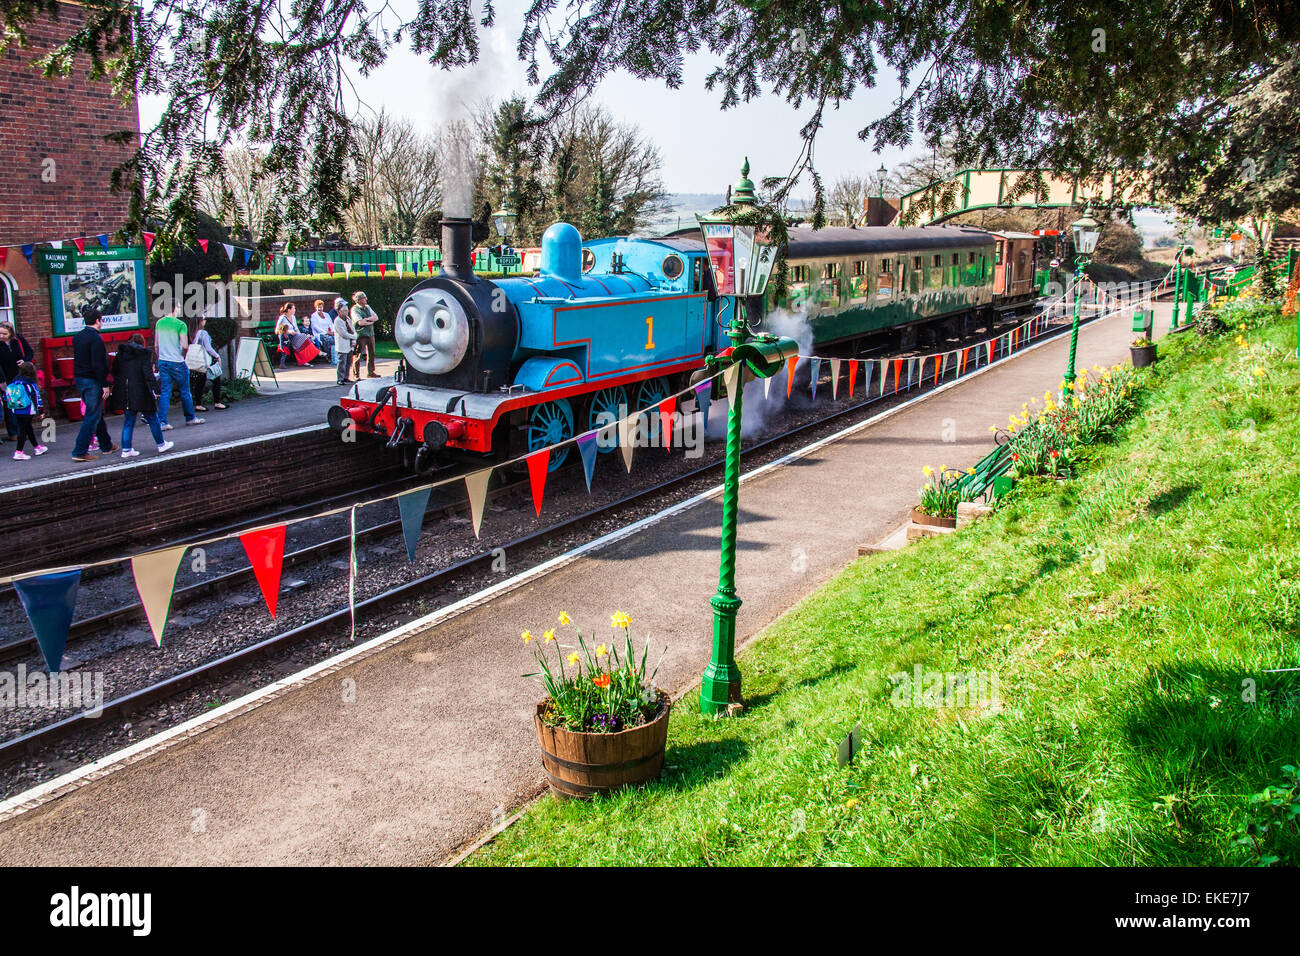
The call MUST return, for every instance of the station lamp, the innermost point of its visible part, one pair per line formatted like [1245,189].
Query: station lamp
[1085,233]
[741,253]
[504,220]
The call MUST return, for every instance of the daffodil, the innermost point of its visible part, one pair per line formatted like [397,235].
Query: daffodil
[970,471]
[927,471]
[549,635]
[601,650]
[619,619]
[565,620]
[527,636]
[573,658]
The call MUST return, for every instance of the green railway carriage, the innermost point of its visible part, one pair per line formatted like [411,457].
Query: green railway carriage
[854,282]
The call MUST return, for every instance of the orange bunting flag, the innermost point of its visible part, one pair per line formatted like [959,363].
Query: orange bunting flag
[667,409]
[789,373]
[476,484]
[1015,339]
[265,550]
[898,371]
[965,357]
[155,578]
[853,376]
[537,463]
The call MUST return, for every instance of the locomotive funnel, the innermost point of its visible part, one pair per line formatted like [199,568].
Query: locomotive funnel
[457,249]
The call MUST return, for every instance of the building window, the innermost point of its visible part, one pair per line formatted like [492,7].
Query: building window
[7,288]
[798,273]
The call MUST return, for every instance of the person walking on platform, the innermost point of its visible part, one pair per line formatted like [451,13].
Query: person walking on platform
[211,373]
[11,354]
[320,326]
[90,377]
[364,319]
[135,391]
[344,336]
[24,399]
[171,336]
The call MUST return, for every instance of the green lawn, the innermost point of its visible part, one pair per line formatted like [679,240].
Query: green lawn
[1129,617]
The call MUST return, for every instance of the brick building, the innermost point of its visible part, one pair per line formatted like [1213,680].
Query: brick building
[54,182]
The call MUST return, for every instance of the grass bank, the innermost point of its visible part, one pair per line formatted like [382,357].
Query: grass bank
[1129,617]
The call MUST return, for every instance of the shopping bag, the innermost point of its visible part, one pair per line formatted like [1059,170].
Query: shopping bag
[196,359]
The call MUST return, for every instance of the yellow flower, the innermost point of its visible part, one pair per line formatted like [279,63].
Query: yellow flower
[527,636]
[601,650]
[549,635]
[619,619]
[927,471]
[565,620]
[993,428]
[573,658]
[970,471]
[943,469]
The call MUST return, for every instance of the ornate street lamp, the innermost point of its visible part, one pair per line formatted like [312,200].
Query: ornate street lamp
[741,253]
[883,173]
[1084,232]
[504,220]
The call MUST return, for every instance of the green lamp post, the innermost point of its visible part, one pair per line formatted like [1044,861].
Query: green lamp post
[1085,232]
[742,257]
[504,220]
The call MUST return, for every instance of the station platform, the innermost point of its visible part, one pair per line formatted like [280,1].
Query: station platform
[297,398]
[409,747]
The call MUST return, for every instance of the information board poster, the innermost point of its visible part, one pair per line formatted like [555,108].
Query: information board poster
[111,280]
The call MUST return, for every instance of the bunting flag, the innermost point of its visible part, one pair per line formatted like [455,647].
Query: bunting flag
[203,244]
[347,270]
[330,266]
[731,379]
[352,571]
[248,256]
[703,396]
[382,266]
[961,363]
[898,371]
[148,240]
[789,373]
[626,434]
[365,269]
[587,452]
[1015,339]
[103,240]
[938,368]
[853,376]
[155,578]
[476,484]
[290,261]
[884,375]
[4,254]
[411,507]
[537,464]
[835,378]
[430,267]
[990,346]
[28,250]
[265,550]
[81,246]
[667,409]
[230,251]
[56,244]
[311,267]
[50,600]
[815,375]
[911,372]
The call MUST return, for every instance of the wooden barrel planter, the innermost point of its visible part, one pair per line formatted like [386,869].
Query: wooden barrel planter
[582,765]
[1144,356]
[920,517]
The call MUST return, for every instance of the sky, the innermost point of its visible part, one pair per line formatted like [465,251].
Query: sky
[702,146]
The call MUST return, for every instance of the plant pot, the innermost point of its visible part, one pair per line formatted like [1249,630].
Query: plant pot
[1144,356]
[920,517]
[582,764]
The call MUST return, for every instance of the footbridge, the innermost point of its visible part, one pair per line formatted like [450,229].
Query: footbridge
[972,189]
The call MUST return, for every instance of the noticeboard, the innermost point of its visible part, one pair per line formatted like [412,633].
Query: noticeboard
[111,280]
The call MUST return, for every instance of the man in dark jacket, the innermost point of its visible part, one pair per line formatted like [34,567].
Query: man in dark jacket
[90,376]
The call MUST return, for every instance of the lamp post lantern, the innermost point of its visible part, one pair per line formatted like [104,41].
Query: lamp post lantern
[1084,232]
[504,220]
[741,253]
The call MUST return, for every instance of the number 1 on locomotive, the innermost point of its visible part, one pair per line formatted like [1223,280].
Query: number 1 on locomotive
[650,332]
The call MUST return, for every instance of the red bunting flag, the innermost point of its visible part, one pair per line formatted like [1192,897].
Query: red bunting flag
[898,371]
[148,240]
[853,376]
[382,266]
[789,374]
[537,463]
[80,244]
[330,267]
[666,410]
[265,550]
[4,254]
[430,267]
[203,244]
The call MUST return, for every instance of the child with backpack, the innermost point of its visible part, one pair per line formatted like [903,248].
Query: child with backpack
[23,399]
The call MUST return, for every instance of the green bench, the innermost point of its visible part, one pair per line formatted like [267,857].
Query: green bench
[989,473]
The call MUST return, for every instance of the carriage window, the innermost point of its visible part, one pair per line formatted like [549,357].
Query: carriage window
[956,259]
[673,266]
[860,268]
[697,275]
[938,261]
[998,259]
[830,270]
[885,279]
[884,265]
[970,258]
[916,262]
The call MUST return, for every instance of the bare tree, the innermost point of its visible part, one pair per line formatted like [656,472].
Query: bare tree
[396,176]
[241,192]
[847,199]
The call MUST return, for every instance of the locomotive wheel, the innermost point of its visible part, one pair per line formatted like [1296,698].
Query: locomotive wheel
[650,394]
[607,406]
[549,424]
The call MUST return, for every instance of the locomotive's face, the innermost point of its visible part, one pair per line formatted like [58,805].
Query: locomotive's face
[432,331]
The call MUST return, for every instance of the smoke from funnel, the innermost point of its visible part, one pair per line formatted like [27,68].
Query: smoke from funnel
[757,408]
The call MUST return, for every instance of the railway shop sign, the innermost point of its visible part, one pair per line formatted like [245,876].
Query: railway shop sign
[111,280]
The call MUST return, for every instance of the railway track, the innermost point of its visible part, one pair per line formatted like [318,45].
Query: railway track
[329,624]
